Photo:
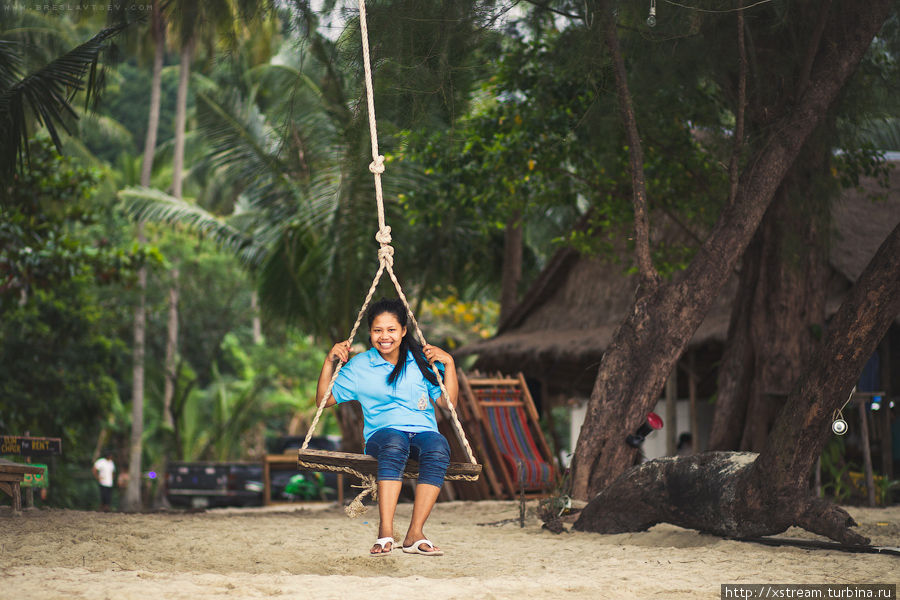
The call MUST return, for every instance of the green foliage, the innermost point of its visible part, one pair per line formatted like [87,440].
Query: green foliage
[127,101]
[266,386]
[545,144]
[58,373]
[884,488]
[836,471]
[864,161]
[63,366]
[54,351]
[44,224]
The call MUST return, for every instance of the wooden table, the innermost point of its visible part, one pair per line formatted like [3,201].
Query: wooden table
[12,475]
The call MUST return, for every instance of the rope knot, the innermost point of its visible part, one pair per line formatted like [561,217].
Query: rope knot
[377,165]
[386,255]
[383,236]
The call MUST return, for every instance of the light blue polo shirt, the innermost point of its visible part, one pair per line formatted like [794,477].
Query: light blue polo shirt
[405,405]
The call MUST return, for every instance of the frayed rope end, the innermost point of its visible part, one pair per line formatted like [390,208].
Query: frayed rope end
[356,508]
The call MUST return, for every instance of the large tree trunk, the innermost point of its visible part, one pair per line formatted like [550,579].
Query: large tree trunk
[736,367]
[646,346]
[740,494]
[779,307]
[132,500]
[791,304]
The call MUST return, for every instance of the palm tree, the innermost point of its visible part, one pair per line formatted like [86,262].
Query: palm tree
[133,491]
[304,208]
[193,22]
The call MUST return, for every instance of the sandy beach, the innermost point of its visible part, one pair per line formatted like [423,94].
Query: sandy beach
[318,552]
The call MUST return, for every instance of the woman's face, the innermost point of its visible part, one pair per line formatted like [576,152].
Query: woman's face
[386,334]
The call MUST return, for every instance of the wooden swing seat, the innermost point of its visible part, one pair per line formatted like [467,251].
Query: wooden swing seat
[330,460]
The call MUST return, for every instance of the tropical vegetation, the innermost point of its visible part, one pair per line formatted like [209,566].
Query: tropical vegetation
[188,219]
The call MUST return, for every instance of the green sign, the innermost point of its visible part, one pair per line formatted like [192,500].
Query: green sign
[36,480]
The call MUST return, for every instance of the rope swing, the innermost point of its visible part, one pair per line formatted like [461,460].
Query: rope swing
[360,465]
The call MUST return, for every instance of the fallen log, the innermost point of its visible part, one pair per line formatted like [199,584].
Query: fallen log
[716,492]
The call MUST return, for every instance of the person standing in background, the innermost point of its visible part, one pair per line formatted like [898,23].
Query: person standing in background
[104,472]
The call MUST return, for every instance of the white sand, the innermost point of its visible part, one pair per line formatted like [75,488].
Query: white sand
[319,553]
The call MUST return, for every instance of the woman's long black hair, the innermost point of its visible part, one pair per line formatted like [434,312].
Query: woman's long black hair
[409,343]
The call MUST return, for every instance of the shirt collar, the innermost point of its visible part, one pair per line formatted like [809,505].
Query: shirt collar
[375,358]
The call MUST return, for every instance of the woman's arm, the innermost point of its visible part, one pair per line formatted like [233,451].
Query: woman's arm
[341,352]
[435,354]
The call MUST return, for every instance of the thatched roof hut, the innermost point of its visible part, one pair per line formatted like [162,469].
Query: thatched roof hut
[559,331]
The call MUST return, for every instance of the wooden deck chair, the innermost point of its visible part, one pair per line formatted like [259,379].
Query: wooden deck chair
[515,445]
[488,486]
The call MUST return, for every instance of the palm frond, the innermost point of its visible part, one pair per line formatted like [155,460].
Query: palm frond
[238,136]
[11,63]
[46,94]
[105,127]
[147,204]
[292,175]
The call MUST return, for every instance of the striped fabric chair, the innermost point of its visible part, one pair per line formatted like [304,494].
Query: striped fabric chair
[504,410]
[514,441]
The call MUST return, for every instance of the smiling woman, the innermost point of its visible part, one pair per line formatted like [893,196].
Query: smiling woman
[395,386]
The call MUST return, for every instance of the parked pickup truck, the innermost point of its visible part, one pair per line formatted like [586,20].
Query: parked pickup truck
[211,484]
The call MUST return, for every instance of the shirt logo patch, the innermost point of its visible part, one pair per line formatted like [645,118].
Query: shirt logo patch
[423,402]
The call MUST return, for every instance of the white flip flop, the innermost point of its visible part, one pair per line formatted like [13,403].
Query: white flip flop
[416,548]
[383,542]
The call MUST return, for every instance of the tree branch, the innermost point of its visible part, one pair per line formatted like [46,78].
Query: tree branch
[813,48]
[832,521]
[554,10]
[733,174]
[648,274]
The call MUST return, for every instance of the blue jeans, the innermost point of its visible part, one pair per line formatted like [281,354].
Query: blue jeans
[391,448]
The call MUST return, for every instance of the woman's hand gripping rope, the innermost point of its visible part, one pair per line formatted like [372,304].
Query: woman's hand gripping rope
[340,351]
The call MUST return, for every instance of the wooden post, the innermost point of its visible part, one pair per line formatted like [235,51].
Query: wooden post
[887,457]
[267,481]
[29,491]
[867,451]
[692,395]
[672,412]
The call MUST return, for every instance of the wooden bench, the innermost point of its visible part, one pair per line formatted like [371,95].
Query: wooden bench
[12,475]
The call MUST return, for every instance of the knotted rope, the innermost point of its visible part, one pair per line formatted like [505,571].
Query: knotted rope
[385,262]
